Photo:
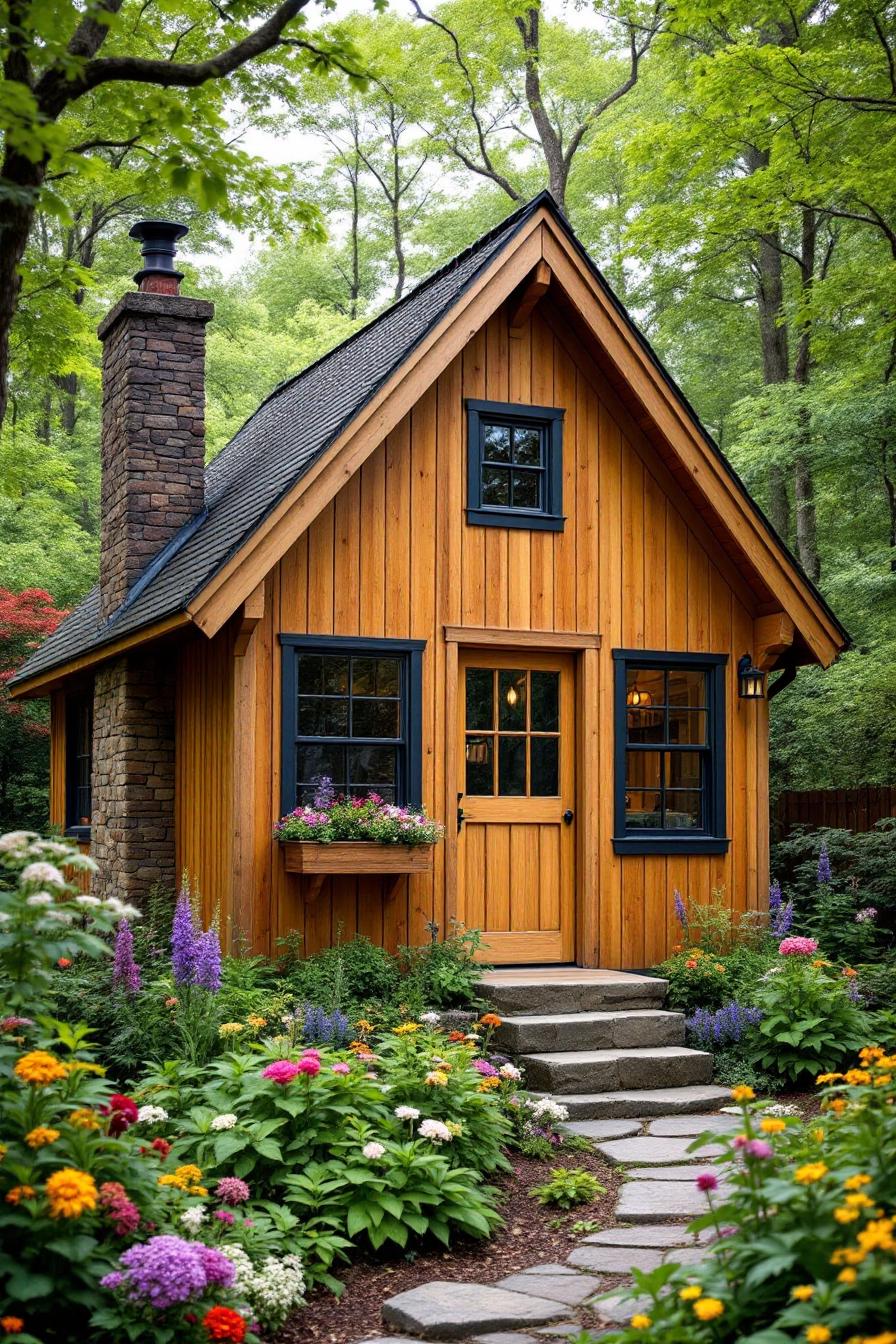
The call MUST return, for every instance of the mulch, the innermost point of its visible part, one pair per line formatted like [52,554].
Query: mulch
[532,1234]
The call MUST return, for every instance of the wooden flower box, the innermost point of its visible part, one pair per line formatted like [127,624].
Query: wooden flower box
[353,858]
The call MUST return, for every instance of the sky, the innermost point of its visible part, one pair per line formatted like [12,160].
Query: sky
[302,147]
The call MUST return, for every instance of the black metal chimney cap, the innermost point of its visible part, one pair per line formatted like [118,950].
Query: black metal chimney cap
[159,238]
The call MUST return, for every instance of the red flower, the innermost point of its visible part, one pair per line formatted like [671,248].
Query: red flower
[123,1112]
[161,1146]
[224,1323]
[63,963]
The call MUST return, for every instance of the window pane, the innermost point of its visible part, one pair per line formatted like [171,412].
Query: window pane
[372,768]
[527,489]
[687,725]
[644,686]
[496,443]
[496,486]
[334,674]
[480,778]
[512,766]
[642,770]
[645,725]
[388,676]
[511,699]
[375,718]
[643,811]
[309,671]
[314,760]
[319,717]
[363,676]
[545,702]
[687,687]
[544,766]
[527,447]
[683,769]
[683,810]
[480,697]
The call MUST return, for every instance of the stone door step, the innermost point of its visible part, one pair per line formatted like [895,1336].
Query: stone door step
[573,1071]
[661,1152]
[619,1028]
[571,989]
[443,1310]
[628,1105]
[662,1201]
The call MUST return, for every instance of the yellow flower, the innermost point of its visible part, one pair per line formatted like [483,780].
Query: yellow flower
[488,1084]
[818,1135]
[363,1025]
[71,1193]
[39,1068]
[883,1080]
[436,1078]
[41,1135]
[406,1029]
[641,1322]
[691,1293]
[857,1077]
[20,1192]
[847,1276]
[772,1126]
[708,1308]
[846,1215]
[810,1173]
[828,1078]
[877,1235]
[870,1052]
[742,1093]
[803,1292]
[454,1128]
[257,1022]
[817,1334]
[4,1149]
[856,1182]
[84,1118]
[858,1202]
[231,1028]
[184,1178]
[86,1066]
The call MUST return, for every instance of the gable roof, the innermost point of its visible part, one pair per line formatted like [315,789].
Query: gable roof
[291,433]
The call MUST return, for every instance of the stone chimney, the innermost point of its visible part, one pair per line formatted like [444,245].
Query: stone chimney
[153,423]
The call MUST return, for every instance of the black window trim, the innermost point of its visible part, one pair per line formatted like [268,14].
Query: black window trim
[712,839]
[547,519]
[409,786]
[74,701]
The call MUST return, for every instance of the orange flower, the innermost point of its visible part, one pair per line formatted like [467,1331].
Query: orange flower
[455,1036]
[39,1068]
[490,1020]
[690,964]
[84,1118]
[41,1135]
[63,963]
[12,1325]
[849,972]
[20,1192]
[71,1193]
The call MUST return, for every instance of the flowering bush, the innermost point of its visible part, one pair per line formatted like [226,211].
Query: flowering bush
[807,1233]
[330,818]
[728,1025]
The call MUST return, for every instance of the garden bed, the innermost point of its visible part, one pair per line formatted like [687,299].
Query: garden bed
[532,1234]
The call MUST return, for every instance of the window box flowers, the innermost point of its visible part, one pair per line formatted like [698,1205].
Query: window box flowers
[357,835]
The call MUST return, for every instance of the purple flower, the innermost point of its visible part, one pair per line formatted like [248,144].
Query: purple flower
[163,1271]
[824,865]
[866,916]
[852,989]
[219,1271]
[184,940]
[758,1148]
[681,913]
[487,1070]
[780,914]
[125,971]
[231,1190]
[774,898]
[325,1028]
[207,967]
[113,1280]
[224,1216]
[724,1026]
[324,794]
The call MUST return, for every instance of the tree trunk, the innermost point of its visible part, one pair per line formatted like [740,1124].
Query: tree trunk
[775,363]
[803,485]
[17,210]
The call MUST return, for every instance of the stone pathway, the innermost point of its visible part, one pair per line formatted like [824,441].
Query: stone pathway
[657,1200]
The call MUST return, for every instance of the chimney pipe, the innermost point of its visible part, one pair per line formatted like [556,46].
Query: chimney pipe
[158,238]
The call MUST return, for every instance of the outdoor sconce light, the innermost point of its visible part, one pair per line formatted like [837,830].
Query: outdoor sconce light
[750,680]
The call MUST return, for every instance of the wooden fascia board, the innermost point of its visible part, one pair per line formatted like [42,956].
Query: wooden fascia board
[214,605]
[536,287]
[44,682]
[674,422]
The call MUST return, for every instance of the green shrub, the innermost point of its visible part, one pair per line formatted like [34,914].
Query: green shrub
[348,977]
[444,974]
[809,1021]
[567,1187]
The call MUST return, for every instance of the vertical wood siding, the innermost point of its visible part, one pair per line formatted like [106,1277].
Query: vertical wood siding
[392,555]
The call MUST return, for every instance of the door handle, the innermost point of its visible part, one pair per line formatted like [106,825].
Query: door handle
[568,816]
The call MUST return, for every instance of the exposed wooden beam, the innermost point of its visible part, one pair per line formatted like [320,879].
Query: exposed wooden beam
[772,635]
[495,636]
[537,286]
[252,612]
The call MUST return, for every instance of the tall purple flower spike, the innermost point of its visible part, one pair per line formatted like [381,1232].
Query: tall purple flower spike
[125,971]
[681,913]
[207,966]
[184,940]
[824,865]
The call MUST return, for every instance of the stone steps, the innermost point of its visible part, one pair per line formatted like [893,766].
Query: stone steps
[630,1104]
[620,1028]
[570,1071]
[534,992]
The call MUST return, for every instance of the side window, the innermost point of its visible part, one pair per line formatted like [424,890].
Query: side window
[514,466]
[78,764]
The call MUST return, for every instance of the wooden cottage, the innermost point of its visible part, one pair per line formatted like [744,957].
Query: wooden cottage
[481,556]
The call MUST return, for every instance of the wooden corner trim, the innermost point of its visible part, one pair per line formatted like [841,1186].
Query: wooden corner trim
[495,636]
[44,682]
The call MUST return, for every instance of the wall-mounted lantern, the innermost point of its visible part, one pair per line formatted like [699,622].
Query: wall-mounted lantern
[750,679]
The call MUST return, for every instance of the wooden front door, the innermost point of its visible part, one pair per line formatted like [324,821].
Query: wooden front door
[516,770]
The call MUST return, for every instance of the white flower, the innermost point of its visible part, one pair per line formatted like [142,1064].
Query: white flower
[546,1107]
[15,840]
[4,917]
[151,1115]
[779,1108]
[40,898]
[372,1151]
[223,1122]
[47,873]
[406,1113]
[55,847]
[193,1218]
[510,1071]
[431,1019]
[61,916]
[120,908]
[435,1131]
[89,902]
[273,1288]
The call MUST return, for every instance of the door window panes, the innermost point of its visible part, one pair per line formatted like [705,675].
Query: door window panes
[512,741]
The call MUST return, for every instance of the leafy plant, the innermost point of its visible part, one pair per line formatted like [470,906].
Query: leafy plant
[809,1021]
[445,974]
[347,977]
[331,818]
[567,1187]
[862,878]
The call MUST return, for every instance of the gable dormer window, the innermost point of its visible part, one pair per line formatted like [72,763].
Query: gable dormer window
[515,466]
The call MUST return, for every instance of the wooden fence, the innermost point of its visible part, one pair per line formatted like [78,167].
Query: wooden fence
[850,809]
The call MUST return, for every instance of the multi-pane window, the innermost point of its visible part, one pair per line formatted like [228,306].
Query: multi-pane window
[670,749]
[512,732]
[515,470]
[79,762]
[350,715]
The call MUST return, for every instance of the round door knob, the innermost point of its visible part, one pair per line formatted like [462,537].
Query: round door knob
[568,816]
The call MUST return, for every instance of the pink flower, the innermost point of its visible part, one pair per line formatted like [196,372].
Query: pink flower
[308,1064]
[706,1181]
[798,947]
[758,1148]
[282,1071]
[340,1068]
[310,1052]
[224,1216]
[231,1190]
[740,1141]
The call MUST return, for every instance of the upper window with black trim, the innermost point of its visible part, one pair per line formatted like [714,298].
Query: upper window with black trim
[670,753]
[78,763]
[514,465]
[351,714]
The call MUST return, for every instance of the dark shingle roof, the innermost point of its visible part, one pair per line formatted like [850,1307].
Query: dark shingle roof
[273,450]
[294,426]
